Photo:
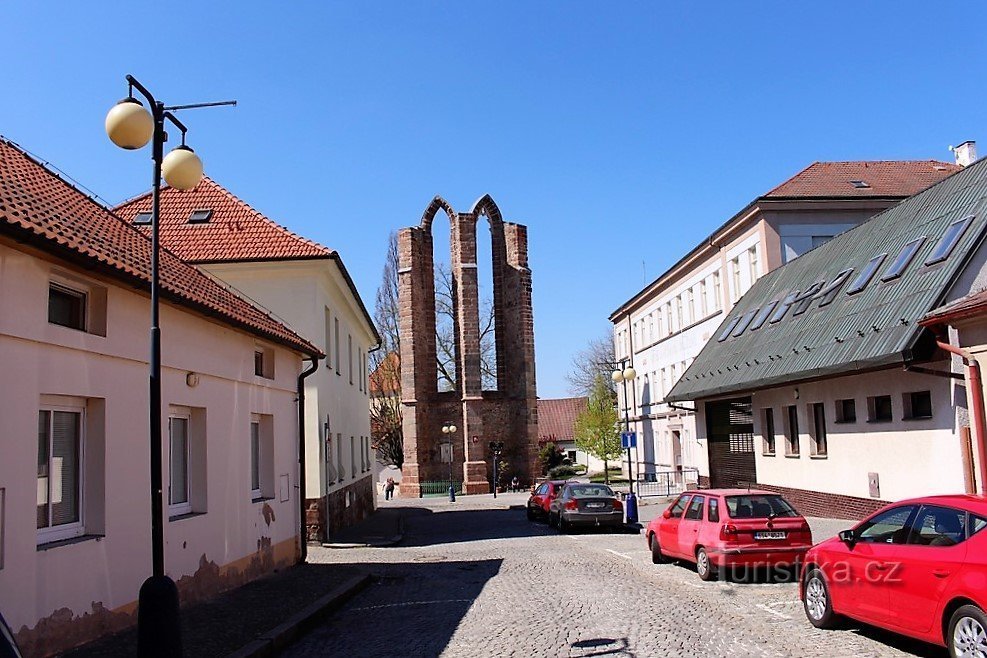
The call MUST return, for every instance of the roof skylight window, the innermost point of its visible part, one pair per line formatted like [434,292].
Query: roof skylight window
[199,216]
[744,321]
[903,259]
[860,184]
[949,240]
[785,305]
[142,218]
[829,293]
[866,274]
[726,331]
[803,301]
[762,317]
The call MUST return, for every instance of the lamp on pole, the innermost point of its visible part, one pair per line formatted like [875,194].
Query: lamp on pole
[623,373]
[449,429]
[130,126]
[497,447]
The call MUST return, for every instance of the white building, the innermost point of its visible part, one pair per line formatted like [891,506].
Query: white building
[822,384]
[307,286]
[75,529]
[662,328]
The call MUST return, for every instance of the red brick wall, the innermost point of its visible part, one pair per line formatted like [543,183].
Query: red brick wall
[361,504]
[817,503]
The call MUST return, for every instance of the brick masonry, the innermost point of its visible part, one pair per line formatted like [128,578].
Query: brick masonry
[347,506]
[817,503]
[508,414]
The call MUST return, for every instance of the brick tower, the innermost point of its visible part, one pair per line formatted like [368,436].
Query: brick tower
[508,414]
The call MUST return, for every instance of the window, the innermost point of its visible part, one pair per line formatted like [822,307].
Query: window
[142,218]
[359,374]
[367,444]
[888,527]
[976,524]
[727,330]
[744,322]
[754,264]
[676,509]
[261,456]
[792,432]
[758,506]
[335,325]
[695,511]
[66,307]
[879,409]
[903,259]
[178,459]
[938,526]
[352,456]
[339,455]
[703,303]
[846,411]
[819,448]
[200,216]
[762,315]
[328,337]
[690,306]
[264,362]
[866,274]
[60,471]
[668,317]
[571,454]
[349,355]
[859,184]
[717,291]
[678,312]
[651,327]
[713,510]
[917,404]
[829,293]
[768,431]
[735,279]
[255,459]
[949,240]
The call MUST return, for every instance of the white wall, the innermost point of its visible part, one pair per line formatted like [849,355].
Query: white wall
[42,360]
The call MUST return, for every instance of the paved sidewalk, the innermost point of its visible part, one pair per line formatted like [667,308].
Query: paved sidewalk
[382,528]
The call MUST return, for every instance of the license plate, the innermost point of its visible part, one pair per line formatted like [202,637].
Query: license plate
[769,535]
[595,505]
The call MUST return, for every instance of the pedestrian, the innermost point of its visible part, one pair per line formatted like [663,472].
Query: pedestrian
[515,484]
[389,489]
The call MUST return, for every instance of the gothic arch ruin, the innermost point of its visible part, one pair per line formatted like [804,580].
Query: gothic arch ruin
[508,414]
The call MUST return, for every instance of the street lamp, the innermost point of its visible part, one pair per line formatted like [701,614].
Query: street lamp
[497,447]
[130,126]
[622,374]
[449,429]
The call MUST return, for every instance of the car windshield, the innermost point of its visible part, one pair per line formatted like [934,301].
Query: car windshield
[758,506]
[591,491]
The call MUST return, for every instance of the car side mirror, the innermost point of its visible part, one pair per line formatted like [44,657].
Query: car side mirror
[667,514]
[848,537]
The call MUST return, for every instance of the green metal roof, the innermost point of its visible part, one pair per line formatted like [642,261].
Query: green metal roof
[874,328]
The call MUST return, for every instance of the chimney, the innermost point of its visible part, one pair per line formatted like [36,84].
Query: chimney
[965,153]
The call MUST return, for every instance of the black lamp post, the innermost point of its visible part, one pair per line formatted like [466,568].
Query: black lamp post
[625,373]
[130,126]
[449,429]
[497,447]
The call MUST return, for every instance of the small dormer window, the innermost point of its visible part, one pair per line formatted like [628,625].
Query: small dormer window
[142,218]
[200,216]
[860,184]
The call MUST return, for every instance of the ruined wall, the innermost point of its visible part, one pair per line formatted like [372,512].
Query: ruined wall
[508,414]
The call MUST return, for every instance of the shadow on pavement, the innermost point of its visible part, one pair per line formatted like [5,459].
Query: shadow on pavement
[392,616]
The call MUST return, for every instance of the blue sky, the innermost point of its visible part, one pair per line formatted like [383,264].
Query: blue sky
[620,133]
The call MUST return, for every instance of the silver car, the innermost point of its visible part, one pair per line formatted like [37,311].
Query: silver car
[582,504]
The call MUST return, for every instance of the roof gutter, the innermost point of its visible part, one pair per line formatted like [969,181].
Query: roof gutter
[979,416]
[303,527]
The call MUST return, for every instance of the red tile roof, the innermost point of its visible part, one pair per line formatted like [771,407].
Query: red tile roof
[38,207]
[972,305]
[884,178]
[557,418]
[386,377]
[234,232]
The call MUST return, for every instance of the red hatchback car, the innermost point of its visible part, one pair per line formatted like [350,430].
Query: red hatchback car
[918,568]
[723,528]
[541,498]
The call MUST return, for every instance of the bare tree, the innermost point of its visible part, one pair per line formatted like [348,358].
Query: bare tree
[594,359]
[445,336]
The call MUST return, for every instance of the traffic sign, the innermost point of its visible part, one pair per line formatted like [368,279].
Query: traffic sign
[628,440]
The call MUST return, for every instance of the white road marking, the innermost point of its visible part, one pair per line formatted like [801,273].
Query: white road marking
[399,605]
[692,584]
[626,557]
[768,609]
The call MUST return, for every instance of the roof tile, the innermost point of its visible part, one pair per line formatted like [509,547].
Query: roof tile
[883,178]
[557,418]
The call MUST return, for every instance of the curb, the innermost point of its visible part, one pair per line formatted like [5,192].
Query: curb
[278,638]
[372,542]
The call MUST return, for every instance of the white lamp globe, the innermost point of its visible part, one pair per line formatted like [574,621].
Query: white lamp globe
[182,168]
[129,125]
[630,373]
[617,376]
[452,429]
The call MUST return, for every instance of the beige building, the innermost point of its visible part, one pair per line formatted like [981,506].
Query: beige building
[307,286]
[75,529]
[662,328]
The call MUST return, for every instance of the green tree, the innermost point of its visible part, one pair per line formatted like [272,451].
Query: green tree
[550,456]
[597,431]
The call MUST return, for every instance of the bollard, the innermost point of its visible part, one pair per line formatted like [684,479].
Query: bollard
[630,508]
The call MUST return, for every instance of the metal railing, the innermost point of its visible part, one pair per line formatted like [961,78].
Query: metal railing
[666,482]
[438,488]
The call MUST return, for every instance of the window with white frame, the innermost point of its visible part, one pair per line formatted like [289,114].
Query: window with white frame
[349,355]
[717,292]
[755,265]
[651,327]
[735,279]
[690,306]
[254,459]
[678,312]
[359,374]
[60,473]
[77,304]
[261,456]
[339,455]
[668,318]
[353,456]
[328,338]
[703,303]
[179,495]
[335,326]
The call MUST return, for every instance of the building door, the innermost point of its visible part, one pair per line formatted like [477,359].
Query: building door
[730,433]
[677,450]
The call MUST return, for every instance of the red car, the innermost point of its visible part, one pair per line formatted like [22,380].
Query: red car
[918,568]
[725,528]
[541,498]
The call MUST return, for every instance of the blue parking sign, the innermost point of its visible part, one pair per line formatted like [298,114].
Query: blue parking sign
[628,440]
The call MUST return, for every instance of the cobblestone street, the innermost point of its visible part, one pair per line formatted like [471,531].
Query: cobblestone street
[475,578]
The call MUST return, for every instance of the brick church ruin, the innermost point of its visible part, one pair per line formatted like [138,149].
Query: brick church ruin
[509,413]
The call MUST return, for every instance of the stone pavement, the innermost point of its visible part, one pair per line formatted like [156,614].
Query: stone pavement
[475,578]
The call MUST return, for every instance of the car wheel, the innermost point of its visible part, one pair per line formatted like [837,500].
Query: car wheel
[704,567]
[657,557]
[967,632]
[817,603]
